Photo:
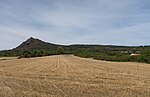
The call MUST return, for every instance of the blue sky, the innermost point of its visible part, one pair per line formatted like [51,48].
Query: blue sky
[116,22]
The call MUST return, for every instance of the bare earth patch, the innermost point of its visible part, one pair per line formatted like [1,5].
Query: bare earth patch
[71,76]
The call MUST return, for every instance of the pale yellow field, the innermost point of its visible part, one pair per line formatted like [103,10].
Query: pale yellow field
[71,76]
[7,58]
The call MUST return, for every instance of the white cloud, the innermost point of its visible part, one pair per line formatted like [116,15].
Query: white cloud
[75,21]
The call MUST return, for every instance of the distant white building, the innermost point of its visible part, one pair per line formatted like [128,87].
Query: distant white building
[135,54]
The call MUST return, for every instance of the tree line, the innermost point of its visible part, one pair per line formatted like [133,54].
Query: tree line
[108,53]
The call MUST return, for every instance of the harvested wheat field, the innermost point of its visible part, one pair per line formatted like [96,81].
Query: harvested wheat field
[71,76]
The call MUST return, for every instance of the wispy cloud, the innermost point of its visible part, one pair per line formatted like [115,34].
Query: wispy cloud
[75,21]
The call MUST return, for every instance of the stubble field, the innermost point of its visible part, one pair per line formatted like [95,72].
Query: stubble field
[71,76]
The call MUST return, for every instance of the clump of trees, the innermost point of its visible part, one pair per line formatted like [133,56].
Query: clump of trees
[144,56]
[108,56]
[33,53]
[39,53]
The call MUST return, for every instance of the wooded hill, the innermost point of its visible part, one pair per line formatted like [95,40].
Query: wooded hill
[36,48]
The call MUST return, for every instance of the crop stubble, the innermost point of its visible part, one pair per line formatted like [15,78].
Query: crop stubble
[71,76]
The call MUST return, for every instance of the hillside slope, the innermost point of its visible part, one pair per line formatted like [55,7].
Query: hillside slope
[35,44]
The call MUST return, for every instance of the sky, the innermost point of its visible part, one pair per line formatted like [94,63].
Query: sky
[107,22]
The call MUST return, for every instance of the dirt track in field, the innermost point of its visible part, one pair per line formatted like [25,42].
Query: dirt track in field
[71,76]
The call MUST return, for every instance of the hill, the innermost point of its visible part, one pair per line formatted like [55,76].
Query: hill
[35,48]
[32,48]
[33,43]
